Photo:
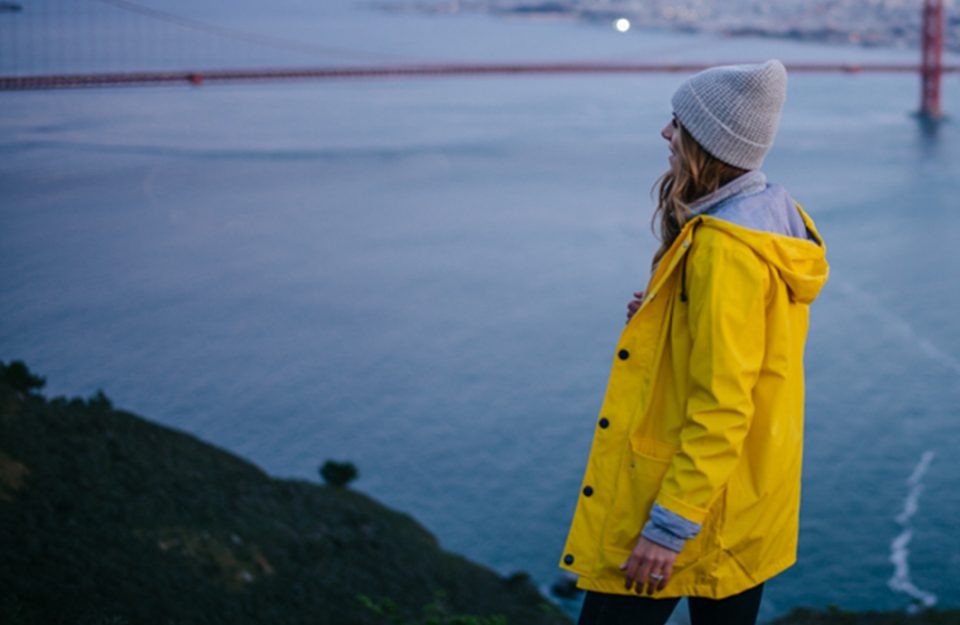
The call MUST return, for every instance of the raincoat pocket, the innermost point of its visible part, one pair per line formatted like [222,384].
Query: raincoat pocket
[637,487]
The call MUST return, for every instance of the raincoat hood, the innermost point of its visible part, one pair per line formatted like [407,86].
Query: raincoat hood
[800,262]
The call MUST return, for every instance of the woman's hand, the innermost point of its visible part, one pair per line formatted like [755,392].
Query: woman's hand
[649,565]
[635,304]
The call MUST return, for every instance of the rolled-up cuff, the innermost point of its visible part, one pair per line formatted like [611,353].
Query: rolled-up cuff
[662,537]
[669,529]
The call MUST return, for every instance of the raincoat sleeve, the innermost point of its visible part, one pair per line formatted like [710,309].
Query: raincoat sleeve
[726,285]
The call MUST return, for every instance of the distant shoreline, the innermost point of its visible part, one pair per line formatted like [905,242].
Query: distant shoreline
[893,30]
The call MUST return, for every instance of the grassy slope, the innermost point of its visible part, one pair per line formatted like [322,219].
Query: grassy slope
[106,517]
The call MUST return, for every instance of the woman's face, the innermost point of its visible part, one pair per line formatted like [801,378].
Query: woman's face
[671,132]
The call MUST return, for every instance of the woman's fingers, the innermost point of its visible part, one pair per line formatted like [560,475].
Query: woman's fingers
[634,305]
[643,575]
[630,569]
[666,572]
[654,580]
[649,567]
[660,574]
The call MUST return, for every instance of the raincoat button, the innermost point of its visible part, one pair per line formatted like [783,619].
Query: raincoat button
[587,491]
[568,559]
[604,423]
[623,354]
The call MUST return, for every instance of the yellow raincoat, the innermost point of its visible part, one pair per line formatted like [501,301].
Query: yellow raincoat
[703,413]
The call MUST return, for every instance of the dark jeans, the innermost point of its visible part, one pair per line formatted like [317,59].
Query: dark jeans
[604,609]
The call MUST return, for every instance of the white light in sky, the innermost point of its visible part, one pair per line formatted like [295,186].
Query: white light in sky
[622,24]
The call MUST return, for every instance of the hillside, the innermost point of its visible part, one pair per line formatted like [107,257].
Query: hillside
[109,519]
[106,517]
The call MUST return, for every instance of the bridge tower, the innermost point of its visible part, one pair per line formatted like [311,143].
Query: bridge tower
[931,68]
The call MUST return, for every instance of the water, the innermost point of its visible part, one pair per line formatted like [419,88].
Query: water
[427,277]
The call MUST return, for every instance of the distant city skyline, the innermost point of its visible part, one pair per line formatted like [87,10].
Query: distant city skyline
[894,23]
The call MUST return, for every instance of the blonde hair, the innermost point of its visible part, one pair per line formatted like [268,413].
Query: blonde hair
[698,173]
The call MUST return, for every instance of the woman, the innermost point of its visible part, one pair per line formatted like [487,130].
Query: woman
[692,486]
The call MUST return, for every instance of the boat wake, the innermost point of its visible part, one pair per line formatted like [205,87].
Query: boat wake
[899,551]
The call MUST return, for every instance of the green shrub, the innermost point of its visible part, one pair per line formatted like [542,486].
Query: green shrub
[338,474]
[520,578]
[18,376]
[100,401]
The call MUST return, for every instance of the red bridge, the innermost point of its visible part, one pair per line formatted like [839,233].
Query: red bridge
[931,69]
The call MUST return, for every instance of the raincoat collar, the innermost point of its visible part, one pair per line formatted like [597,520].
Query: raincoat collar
[801,263]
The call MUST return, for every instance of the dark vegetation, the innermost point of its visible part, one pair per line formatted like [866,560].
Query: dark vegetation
[338,474]
[107,518]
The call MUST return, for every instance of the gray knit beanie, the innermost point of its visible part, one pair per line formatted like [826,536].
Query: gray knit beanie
[733,111]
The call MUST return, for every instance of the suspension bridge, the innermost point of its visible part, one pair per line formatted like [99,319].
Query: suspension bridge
[930,69]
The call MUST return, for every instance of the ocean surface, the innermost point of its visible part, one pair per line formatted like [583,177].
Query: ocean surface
[427,277]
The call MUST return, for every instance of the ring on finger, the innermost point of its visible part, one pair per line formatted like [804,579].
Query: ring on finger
[656,577]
